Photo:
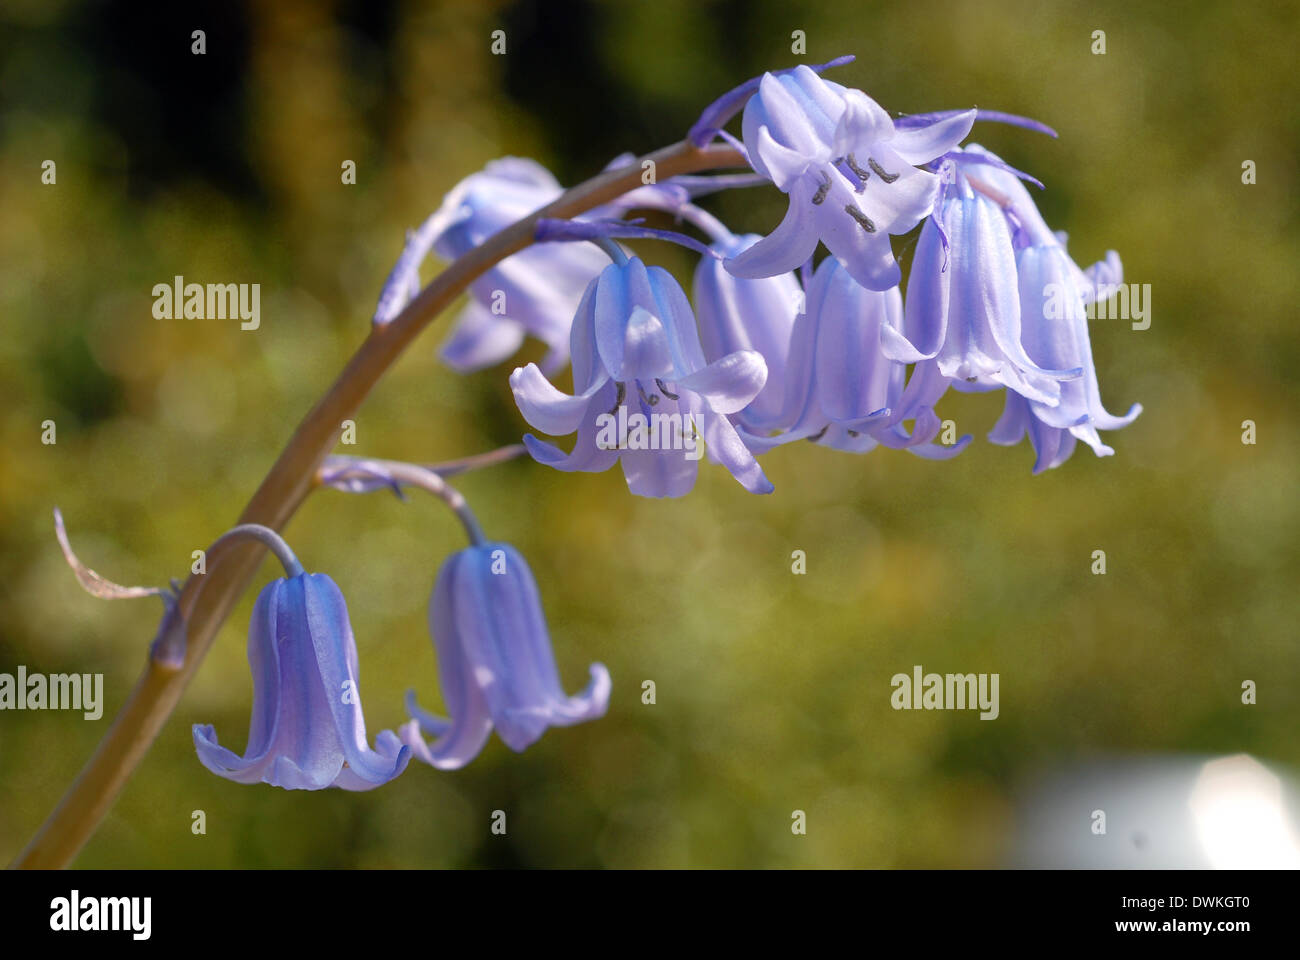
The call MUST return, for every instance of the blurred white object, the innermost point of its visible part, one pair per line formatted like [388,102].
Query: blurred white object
[1161,813]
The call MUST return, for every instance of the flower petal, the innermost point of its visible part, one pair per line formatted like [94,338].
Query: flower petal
[867,257]
[862,123]
[725,446]
[853,375]
[336,659]
[925,312]
[545,407]
[921,144]
[729,384]
[786,247]
[480,340]
[645,348]
[658,473]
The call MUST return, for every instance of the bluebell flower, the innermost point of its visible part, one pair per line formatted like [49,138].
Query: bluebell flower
[1050,288]
[307,730]
[842,389]
[495,664]
[1030,229]
[849,173]
[533,292]
[1052,445]
[1053,294]
[735,313]
[644,392]
[963,299]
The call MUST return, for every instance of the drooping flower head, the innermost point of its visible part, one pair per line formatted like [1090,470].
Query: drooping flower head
[495,664]
[1049,287]
[494,653]
[842,388]
[1053,294]
[963,298]
[307,730]
[735,314]
[533,292]
[848,170]
[643,389]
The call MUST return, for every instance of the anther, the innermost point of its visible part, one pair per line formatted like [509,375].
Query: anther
[819,434]
[650,400]
[863,220]
[622,395]
[858,171]
[665,391]
[887,177]
[825,188]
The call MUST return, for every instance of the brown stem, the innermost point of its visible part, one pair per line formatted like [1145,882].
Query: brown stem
[156,694]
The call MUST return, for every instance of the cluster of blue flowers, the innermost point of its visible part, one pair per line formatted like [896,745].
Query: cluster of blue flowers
[773,351]
[495,666]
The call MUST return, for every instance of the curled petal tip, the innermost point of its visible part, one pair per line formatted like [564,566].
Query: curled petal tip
[715,116]
[91,581]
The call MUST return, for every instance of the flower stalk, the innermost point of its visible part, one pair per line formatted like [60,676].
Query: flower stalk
[286,486]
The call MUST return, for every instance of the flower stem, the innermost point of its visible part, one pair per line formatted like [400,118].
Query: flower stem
[451,468]
[159,688]
[397,474]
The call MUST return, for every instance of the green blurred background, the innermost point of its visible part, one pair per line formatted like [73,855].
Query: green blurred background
[773,689]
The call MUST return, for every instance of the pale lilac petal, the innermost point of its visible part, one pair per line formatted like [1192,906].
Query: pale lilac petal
[786,247]
[658,473]
[1011,426]
[899,206]
[784,166]
[645,348]
[785,116]
[925,312]
[738,314]
[716,114]
[853,374]
[328,623]
[868,257]
[545,407]
[731,383]
[480,340]
[725,446]
[674,308]
[918,145]
[862,123]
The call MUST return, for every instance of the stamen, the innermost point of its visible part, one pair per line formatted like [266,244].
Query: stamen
[997,196]
[665,391]
[819,434]
[820,196]
[618,402]
[887,177]
[651,400]
[858,171]
[863,220]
